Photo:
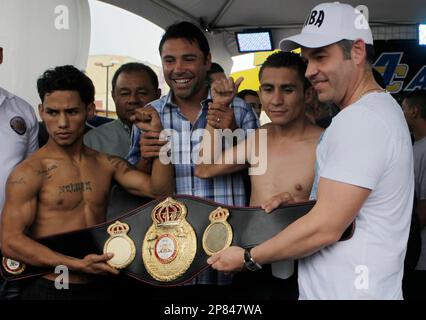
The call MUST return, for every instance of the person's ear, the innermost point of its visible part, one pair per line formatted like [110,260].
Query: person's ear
[91,108]
[309,95]
[41,111]
[415,110]
[358,51]
[209,61]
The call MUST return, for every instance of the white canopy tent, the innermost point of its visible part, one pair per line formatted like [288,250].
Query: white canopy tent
[221,18]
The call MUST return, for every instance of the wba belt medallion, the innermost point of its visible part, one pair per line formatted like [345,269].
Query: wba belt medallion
[170,244]
[218,235]
[13,266]
[120,245]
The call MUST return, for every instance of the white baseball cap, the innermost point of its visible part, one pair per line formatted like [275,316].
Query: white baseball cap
[329,23]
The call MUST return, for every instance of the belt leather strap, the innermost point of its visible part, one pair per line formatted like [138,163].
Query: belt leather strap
[250,225]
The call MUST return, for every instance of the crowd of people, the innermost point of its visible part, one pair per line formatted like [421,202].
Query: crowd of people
[359,165]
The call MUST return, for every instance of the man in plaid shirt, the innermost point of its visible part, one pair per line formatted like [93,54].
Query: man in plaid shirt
[186,58]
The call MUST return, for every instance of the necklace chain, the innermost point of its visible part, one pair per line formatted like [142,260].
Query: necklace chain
[371,90]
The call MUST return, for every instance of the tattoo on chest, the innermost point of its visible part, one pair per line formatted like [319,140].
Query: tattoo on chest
[47,172]
[76,187]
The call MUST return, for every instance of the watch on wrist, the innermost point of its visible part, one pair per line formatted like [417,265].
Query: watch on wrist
[249,263]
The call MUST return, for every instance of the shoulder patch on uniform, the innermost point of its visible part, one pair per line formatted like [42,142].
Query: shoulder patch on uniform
[18,125]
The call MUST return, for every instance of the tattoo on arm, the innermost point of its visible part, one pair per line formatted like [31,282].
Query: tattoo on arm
[47,173]
[76,187]
[19,181]
[120,163]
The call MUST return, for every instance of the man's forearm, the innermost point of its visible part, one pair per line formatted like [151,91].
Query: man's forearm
[29,251]
[145,165]
[302,238]
[210,150]
[336,208]
[219,162]
[162,180]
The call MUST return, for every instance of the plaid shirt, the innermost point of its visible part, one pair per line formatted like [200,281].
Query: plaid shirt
[226,189]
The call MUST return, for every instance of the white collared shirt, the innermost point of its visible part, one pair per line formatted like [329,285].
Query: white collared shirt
[18,135]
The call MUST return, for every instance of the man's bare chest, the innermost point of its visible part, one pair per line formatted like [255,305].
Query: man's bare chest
[66,187]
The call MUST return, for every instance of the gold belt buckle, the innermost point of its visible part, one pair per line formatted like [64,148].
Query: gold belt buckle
[170,244]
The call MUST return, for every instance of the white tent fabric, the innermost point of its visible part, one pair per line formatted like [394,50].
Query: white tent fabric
[285,17]
[235,15]
[239,14]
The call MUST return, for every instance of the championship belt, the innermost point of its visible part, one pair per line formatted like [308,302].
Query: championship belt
[167,242]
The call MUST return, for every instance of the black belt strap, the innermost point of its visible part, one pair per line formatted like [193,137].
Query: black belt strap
[251,226]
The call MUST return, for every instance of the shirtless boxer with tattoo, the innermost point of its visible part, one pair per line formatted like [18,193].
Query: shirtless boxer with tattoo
[65,185]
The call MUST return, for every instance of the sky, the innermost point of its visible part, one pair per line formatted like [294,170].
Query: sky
[119,32]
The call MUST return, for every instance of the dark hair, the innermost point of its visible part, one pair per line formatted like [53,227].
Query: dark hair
[288,60]
[188,31]
[417,98]
[346,46]
[247,92]
[215,68]
[135,67]
[66,78]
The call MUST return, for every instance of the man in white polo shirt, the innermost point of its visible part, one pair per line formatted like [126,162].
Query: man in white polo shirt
[18,139]
[18,133]
[365,173]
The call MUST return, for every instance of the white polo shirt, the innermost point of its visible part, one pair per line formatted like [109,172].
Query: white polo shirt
[18,135]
